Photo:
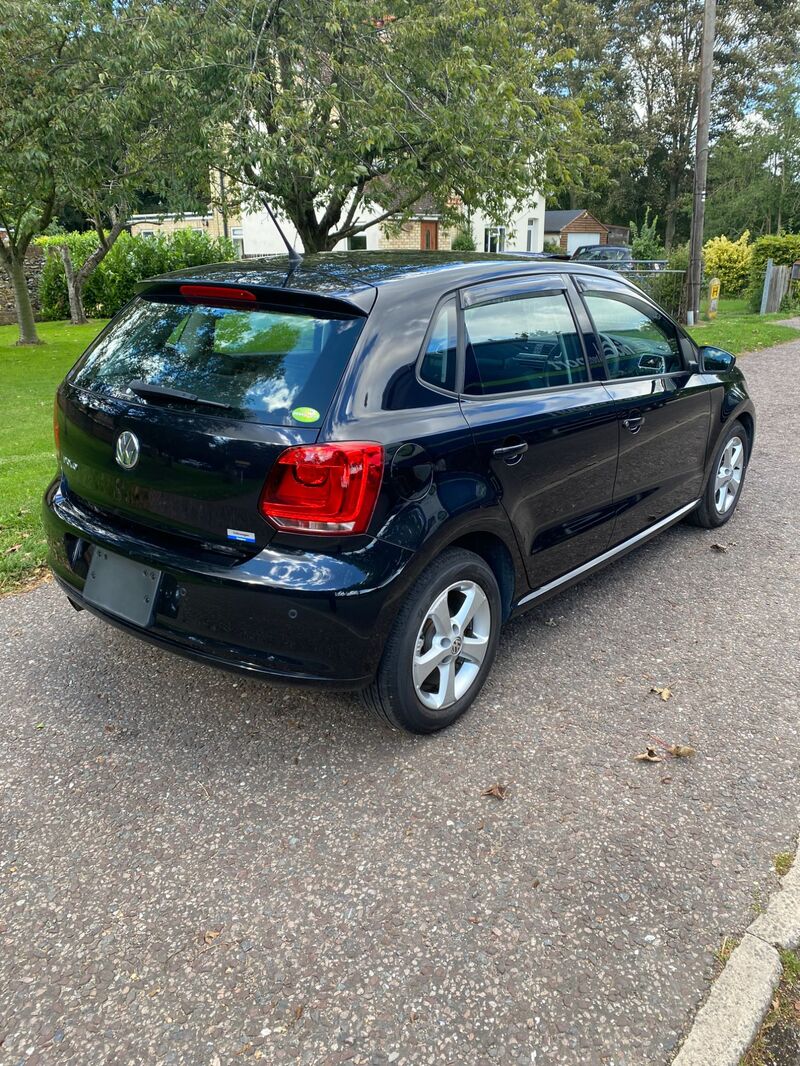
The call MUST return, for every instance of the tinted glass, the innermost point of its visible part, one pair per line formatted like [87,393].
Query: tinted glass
[439,362]
[263,363]
[635,343]
[522,342]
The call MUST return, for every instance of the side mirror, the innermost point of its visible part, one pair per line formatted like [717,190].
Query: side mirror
[715,360]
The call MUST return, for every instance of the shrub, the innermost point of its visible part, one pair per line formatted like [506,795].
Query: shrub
[782,250]
[463,240]
[645,242]
[553,247]
[730,262]
[669,289]
[130,260]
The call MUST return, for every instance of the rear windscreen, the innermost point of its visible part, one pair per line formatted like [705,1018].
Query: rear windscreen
[263,364]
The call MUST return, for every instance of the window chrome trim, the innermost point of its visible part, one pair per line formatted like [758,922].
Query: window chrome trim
[608,555]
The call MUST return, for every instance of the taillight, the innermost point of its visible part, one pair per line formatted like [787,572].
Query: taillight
[324,488]
[217,293]
[56,428]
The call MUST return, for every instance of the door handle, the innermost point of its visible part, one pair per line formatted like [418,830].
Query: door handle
[633,424]
[511,453]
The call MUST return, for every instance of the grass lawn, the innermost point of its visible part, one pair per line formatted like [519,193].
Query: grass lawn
[28,381]
[29,377]
[737,329]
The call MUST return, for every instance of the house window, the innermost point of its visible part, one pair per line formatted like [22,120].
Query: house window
[357,244]
[237,236]
[494,239]
[146,233]
[533,234]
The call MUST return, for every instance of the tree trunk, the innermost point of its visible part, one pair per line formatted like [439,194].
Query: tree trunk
[26,322]
[74,288]
[672,207]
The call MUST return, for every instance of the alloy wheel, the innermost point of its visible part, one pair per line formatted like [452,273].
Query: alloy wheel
[451,645]
[729,475]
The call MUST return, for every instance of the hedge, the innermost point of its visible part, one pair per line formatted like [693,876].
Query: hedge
[130,260]
[783,251]
[729,261]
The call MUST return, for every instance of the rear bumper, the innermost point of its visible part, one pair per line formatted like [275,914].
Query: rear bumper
[297,617]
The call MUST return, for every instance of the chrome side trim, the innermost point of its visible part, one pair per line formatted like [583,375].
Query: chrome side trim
[606,556]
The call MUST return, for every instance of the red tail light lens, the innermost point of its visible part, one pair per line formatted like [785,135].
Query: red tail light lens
[324,488]
[217,293]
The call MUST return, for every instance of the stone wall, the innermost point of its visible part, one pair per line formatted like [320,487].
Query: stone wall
[409,238]
[34,262]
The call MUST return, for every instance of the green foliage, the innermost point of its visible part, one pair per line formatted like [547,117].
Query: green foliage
[782,250]
[669,290]
[463,240]
[645,241]
[130,260]
[348,108]
[551,246]
[730,262]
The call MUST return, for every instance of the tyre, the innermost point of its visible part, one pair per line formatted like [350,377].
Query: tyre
[441,647]
[724,487]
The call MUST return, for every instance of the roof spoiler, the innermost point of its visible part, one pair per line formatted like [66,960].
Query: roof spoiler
[244,293]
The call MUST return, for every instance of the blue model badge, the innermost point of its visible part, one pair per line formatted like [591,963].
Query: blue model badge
[241,534]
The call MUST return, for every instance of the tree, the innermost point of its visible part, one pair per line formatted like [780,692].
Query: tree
[88,95]
[368,104]
[128,135]
[34,88]
[754,39]
[754,171]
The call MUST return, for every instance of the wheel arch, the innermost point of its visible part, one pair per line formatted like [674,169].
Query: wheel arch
[496,554]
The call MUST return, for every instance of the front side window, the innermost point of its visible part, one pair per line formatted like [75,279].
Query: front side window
[635,342]
[439,362]
[523,342]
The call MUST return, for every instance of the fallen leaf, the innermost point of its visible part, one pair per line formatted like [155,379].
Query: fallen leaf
[497,791]
[664,693]
[39,725]
[681,751]
[719,548]
[550,622]
[211,935]
[298,1012]
[648,755]
[666,780]
[12,549]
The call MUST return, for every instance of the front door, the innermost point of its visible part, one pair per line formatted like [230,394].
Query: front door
[429,236]
[664,407]
[547,433]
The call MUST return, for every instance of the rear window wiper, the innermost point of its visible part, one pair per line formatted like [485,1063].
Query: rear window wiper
[163,392]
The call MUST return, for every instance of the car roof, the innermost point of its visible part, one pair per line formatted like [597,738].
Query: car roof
[354,277]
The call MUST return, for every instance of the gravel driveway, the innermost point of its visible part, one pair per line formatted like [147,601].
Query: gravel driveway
[197,868]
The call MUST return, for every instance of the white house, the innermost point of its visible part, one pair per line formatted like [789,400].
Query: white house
[424,231]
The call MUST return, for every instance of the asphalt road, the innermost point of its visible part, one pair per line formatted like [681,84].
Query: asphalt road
[196,868]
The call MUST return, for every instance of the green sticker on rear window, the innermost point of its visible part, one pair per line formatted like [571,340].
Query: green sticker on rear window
[305,414]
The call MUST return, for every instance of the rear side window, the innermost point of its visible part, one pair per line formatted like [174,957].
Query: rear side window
[439,362]
[522,343]
[263,363]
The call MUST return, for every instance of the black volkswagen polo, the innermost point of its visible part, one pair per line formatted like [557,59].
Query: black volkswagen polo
[352,471]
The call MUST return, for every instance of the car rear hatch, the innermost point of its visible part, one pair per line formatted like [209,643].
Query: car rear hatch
[172,419]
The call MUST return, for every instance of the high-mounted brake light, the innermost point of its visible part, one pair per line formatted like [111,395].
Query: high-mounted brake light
[217,293]
[325,489]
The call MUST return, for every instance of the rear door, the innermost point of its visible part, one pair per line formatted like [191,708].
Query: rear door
[174,417]
[544,429]
[663,405]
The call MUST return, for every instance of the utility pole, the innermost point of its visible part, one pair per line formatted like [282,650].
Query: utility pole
[701,163]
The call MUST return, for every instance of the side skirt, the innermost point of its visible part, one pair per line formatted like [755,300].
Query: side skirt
[607,557]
